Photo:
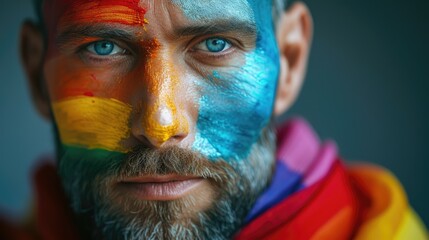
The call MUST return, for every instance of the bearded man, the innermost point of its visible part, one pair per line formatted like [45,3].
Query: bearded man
[163,116]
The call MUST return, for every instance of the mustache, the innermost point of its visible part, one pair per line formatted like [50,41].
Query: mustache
[143,161]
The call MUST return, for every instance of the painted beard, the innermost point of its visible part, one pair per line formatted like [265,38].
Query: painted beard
[91,177]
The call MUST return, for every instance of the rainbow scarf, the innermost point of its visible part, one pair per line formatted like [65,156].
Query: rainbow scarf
[314,196]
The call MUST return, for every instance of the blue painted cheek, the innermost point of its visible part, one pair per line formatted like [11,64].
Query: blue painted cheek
[232,114]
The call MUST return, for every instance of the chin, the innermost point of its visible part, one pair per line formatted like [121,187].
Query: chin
[207,211]
[165,194]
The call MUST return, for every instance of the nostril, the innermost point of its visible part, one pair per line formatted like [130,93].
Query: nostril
[160,125]
[179,136]
[154,139]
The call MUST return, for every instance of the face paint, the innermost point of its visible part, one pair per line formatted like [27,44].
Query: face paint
[231,118]
[92,122]
[162,119]
[90,132]
[211,9]
[68,13]
[125,12]
[83,121]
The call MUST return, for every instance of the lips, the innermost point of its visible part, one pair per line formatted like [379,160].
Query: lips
[160,187]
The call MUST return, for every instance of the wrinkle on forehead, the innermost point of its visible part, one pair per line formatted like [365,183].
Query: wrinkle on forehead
[203,10]
[70,13]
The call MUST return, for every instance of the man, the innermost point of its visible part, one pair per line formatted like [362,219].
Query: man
[163,115]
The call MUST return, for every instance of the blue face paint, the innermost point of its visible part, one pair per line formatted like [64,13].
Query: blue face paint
[232,117]
[212,9]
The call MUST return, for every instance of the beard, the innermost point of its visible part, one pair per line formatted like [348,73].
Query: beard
[91,178]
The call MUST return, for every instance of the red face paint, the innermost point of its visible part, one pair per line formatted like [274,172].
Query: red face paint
[77,11]
[106,11]
[63,13]
[88,94]
[74,82]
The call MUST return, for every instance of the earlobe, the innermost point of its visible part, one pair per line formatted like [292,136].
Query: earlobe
[294,35]
[32,52]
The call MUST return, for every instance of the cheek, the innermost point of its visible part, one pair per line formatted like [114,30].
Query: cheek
[85,106]
[233,113]
[68,77]
[92,122]
[65,81]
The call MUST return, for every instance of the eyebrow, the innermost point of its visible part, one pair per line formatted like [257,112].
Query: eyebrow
[245,28]
[76,32]
[100,31]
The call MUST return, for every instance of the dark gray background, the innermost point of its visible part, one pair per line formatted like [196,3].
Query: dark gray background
[366,88]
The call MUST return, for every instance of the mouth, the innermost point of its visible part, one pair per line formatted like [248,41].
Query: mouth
[160,187]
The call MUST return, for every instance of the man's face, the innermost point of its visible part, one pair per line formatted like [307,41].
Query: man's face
[162,111]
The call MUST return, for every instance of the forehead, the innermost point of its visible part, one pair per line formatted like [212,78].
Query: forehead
[132,12]
[203,10]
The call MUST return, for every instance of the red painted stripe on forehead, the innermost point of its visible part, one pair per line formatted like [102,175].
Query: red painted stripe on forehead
[77,11]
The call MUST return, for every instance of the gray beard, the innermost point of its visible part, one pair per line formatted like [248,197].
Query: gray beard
[106,214]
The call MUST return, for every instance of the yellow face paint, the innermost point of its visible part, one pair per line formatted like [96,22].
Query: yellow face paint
[93,122]
[162,119]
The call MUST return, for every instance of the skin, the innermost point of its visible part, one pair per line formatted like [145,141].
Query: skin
[162,88]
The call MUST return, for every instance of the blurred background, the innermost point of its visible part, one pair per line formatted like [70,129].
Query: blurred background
[367,88]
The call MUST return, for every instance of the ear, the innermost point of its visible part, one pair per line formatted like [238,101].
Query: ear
[294,35]
[32,54]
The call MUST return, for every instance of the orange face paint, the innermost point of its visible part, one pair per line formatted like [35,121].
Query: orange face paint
[162,119]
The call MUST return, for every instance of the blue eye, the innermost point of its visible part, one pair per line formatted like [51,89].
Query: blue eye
[214,45]
[104,48]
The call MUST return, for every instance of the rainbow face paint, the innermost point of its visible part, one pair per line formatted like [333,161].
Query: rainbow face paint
[233,103]
[92,119]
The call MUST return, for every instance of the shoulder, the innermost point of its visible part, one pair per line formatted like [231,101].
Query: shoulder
[385,212]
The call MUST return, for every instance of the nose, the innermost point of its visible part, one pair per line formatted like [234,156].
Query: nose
[161,124]
[162,116]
